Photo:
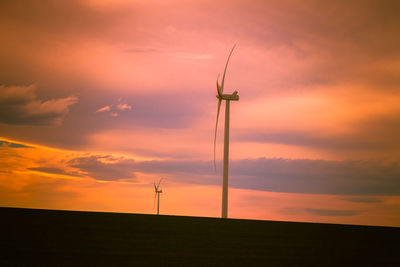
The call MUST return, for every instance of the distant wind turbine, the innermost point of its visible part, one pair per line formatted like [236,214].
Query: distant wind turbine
[157,195]
[228,98]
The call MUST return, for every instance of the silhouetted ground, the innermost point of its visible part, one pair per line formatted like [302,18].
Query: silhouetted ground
[31,237]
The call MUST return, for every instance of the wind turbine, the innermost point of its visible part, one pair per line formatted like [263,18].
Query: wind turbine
[157,195]
[228,98]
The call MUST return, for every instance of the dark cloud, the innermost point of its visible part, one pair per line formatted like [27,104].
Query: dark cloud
[12,144]
[363,199]
[382,128]
[105,168]
[274,175]
[19,105]
[321,212]
[116,168]
[291,211]
[350,177]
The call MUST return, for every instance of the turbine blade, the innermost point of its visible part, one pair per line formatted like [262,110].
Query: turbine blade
[159,183]
[226,66]
[215,133]
[219,89]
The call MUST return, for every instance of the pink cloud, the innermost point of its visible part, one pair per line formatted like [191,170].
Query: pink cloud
[114,110]
[124,107]
[103,109]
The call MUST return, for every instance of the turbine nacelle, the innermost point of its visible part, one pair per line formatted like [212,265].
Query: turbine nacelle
[233,97]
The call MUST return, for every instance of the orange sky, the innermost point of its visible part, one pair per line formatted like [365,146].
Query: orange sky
[100,98]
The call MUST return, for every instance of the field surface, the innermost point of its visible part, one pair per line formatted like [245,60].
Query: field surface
[31,237]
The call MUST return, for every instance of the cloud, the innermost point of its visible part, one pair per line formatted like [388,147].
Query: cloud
[372,133]
[12,145]
[175,166]
[338,142]
[53,170]
[103,109]
[67,17]
[363,35]
[323,212]
[358,178]
[114,110]
[150,112]
[168,109]
[106,168]
[363,199]
[291,210]
[350,177]
[123,107]
[292,30]
[19,105]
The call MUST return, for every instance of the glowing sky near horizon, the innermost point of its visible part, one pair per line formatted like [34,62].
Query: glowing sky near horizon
[98,99]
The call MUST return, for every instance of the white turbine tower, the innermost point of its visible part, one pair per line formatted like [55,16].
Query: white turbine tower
[157,195]
[228,98]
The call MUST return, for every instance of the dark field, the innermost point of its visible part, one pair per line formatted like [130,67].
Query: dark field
[67,238]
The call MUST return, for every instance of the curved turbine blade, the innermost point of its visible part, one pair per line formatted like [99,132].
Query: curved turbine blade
[219,89]
[155,195]
[226,66]
[159,183]
[215,134]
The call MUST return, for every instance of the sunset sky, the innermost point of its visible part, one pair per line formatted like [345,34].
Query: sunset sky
[100,98]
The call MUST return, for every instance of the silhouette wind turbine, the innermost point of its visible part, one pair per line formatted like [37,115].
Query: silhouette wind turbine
[228,98]
[157,195]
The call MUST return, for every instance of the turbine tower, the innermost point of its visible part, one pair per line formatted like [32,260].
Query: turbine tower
[228,98]
[157,195]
